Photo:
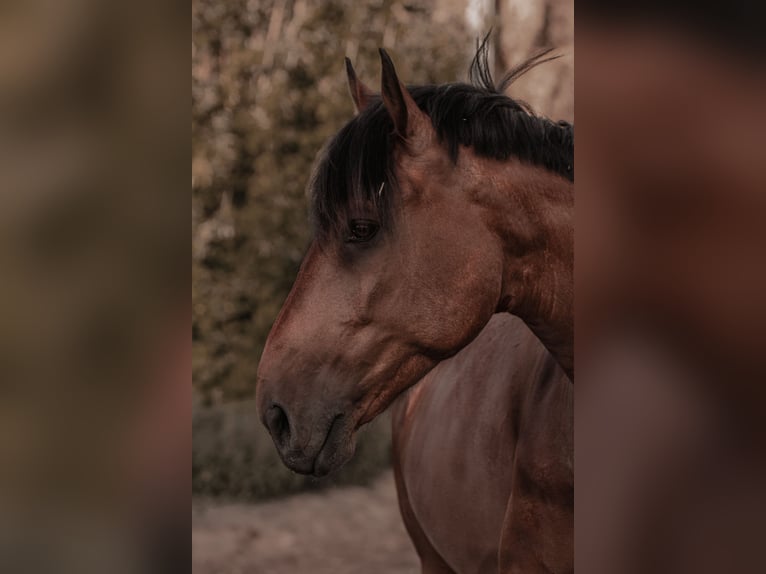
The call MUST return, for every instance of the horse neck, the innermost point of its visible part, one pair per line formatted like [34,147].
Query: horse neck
[531,211]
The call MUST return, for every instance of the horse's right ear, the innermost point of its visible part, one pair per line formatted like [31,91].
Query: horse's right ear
[360,93]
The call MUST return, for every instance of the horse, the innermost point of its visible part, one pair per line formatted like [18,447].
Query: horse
[439,282]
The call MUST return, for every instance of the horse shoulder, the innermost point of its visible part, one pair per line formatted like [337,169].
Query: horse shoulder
[455,439]
[538,528]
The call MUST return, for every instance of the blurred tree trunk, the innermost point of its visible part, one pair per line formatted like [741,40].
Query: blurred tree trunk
[522,27]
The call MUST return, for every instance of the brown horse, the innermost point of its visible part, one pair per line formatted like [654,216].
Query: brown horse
[436,208]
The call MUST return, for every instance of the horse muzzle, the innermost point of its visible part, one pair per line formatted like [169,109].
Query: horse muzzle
[315,447]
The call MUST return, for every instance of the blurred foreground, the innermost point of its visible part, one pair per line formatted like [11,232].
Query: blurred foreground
[94,302]
[671,328]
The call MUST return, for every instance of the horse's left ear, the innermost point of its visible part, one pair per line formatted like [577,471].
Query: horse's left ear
[409,120]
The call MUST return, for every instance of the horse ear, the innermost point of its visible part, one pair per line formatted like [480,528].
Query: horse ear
[407,116]
[360,93]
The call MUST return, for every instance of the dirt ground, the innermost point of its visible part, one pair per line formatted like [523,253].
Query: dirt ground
[349,530]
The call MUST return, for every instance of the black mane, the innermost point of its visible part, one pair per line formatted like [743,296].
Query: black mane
[358,160]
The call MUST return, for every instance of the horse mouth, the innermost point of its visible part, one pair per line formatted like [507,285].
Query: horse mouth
[337,449]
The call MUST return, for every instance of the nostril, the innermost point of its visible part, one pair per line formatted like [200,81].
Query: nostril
[278,424]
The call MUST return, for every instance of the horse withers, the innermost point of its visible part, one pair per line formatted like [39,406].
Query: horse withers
[436,209]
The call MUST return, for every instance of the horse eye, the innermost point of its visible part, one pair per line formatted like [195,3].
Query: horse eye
[361,230]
